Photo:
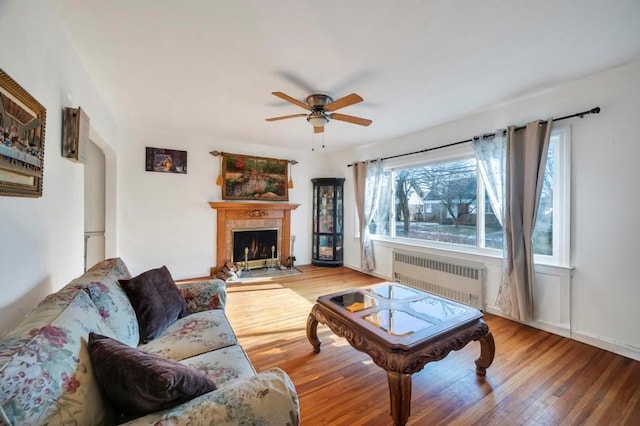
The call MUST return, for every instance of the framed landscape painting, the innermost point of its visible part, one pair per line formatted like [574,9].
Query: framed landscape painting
[22,125]
[254,178]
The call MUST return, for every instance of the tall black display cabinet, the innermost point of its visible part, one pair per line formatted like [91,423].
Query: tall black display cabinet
[328,207]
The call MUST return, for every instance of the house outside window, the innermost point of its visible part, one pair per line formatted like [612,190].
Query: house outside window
[441,202]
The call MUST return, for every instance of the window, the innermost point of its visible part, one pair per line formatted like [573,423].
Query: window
[442,202]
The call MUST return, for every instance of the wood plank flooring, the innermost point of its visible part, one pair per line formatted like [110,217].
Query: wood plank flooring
[537,378]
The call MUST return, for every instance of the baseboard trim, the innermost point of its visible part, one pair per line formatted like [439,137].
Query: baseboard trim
[372,273]
[606,344]
[560,329]
[579,336]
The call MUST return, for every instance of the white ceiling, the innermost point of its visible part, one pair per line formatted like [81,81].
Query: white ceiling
[209,66]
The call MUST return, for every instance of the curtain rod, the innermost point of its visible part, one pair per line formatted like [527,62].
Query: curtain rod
[595,110]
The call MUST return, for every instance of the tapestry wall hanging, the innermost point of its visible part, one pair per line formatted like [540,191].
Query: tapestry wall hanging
[254,178]
[22,125]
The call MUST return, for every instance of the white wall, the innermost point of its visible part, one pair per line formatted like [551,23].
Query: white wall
[42,244]
[598,305]
[165,218]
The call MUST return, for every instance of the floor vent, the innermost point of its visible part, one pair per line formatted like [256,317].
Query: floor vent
[451,278]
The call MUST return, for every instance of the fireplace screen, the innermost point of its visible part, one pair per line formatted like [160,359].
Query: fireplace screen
[258,246]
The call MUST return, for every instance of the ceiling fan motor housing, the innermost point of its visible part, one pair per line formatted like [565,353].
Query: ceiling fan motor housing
[318,101]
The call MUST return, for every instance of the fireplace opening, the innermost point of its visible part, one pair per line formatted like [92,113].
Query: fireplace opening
[258,246]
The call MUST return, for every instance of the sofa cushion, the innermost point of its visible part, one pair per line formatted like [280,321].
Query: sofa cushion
[203,295]
[46,376]
[47,310]
[101,281]
[156,300]
[139,383]
[193,335]
[222,365]
[114,306]
[268,398]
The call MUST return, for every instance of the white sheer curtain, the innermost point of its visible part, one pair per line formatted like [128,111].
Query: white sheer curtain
[490,154]
[367,177]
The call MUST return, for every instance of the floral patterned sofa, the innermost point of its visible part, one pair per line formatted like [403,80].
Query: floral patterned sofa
[46,376]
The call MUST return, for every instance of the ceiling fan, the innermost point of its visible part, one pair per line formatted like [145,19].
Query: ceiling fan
[321,107]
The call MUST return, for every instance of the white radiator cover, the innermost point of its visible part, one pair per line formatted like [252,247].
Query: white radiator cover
[454,279]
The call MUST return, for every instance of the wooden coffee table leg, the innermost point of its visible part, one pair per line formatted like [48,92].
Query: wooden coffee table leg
[487,352]
[400,397]
[312,332]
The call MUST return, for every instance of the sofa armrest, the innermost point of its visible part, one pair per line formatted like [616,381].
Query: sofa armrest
[204,295]
[266,398]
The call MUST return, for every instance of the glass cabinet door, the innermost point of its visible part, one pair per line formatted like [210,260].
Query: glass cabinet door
[327,222]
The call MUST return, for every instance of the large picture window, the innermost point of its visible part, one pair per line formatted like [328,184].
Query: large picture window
[442,202]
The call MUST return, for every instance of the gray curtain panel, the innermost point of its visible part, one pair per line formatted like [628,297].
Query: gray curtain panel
[526,157]
[360,183]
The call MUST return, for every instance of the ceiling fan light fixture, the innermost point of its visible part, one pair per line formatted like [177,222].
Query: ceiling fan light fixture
[317,119]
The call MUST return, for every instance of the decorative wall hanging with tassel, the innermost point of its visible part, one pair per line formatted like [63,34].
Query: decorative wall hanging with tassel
[244,177]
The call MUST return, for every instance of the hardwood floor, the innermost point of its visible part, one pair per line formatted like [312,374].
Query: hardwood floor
[537,378]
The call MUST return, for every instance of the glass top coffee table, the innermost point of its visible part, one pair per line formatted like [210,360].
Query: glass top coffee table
[401,329]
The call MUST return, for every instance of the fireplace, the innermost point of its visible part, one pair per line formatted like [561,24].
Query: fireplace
[251,216]
[258,247]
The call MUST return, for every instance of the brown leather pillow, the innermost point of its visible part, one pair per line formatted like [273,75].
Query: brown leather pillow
[156,300]
[140,383]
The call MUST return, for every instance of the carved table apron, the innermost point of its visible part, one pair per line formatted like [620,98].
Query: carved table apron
[400,358]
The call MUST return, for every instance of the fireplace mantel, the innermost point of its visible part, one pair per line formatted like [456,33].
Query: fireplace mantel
[233,215]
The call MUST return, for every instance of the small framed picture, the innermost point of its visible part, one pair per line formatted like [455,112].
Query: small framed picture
[166,160]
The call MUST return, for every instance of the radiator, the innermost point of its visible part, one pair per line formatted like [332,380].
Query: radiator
[451,278]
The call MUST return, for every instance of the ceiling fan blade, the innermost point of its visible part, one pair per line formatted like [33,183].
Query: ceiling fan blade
[292,100]
[351,119]
[318,129]
[343,102]
[284,117]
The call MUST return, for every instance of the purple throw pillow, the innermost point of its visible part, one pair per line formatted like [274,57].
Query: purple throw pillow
[157,301]
[140,383]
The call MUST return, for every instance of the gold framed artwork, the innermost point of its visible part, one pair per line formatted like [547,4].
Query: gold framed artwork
[22,126]
[254,178]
